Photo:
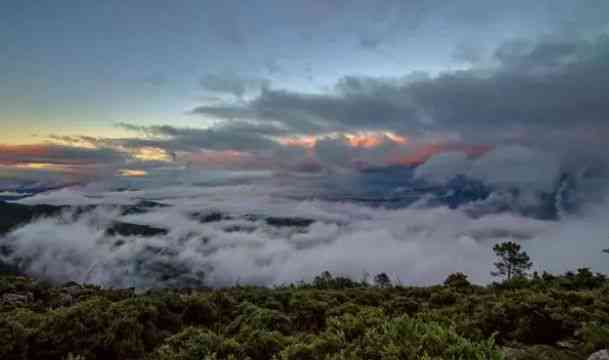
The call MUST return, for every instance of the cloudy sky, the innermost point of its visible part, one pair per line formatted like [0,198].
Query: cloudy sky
[280,108]
[114,88]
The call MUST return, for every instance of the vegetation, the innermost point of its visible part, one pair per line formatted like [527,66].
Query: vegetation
[512,261]
[557,317]
[382,280]
[542,317]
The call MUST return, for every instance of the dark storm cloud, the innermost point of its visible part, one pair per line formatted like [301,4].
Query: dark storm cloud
[523,53]
[57,154]
[307,113]
[225,111]
[547,88]
[550,95]
[241,136]
[50,165]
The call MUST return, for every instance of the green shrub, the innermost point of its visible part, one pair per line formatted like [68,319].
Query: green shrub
[595,337]
[82,329]
[443,298]
[457,280]
[313,347]
[402,305]
[411,338]
[371,336]
[353,326]
[262,344]
[190,344]
[534,319]
[199,311]
[13,339]
[325,280]
[252,317]
[307,313]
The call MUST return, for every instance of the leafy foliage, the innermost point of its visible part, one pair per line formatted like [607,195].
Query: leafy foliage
[330,318]
[512,261]
[457,280]
[382,280]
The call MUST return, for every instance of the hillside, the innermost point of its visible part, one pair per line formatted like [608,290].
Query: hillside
[546,317]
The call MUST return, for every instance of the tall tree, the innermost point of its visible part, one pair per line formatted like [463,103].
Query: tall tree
[512,261]
[382,280]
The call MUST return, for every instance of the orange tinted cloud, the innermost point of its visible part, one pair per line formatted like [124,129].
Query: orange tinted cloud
[396,138]
[41,166]
[423,153]
[362,139]
[10,152]
[132,173]
[225,159]
[369,140]
[56,154]
[59,163]
[307,141]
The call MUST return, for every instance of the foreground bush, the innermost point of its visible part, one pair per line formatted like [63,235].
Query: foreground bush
[535,319]
[369,335]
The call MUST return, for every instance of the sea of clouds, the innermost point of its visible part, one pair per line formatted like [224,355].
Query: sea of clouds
[417,244]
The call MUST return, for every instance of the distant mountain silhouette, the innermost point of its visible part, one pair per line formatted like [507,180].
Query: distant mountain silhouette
[13,215]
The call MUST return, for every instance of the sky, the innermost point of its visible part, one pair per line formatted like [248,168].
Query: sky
[249,84]
[315,94]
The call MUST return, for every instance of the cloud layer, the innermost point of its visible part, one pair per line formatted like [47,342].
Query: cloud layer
[416,245]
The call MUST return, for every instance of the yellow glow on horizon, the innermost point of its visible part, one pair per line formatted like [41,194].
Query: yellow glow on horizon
[76,142]
[17,131]
[40,166]
[132,173]
[149,153]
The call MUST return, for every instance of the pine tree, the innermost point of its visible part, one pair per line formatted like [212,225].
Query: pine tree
[512,261]
[382,280]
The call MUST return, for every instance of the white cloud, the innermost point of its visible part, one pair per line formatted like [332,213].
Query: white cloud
[513,166]
[519,166]
[13,194]
[414,245]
